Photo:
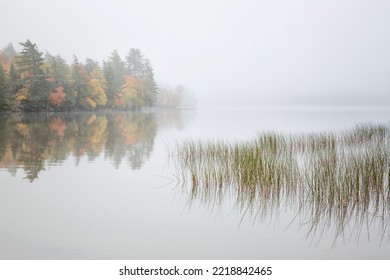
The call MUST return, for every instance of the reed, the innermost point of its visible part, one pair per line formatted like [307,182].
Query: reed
[335,178]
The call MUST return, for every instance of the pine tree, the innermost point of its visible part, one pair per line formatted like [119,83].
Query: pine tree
[135,63]
[140,68]
[110,79]
[114,71]
[15,84]
[9,51]
[4,91]
[60,78]
[80,84]
[150,86]
[37,89]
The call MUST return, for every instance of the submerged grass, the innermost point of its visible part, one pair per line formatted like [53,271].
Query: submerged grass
[335,178]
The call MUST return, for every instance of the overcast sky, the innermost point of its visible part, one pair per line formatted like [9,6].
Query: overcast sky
[246,52]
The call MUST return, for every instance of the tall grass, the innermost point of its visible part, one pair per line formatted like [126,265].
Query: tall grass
[334,179]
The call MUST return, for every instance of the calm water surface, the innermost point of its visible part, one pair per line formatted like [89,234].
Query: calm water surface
[102,186]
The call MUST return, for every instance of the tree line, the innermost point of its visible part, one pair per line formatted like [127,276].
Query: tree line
[32,81]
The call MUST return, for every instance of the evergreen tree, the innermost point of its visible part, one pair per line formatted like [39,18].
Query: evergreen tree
[59,70]
[119,69]
[60,78]
[80,84]
[4,91]
[135,63]
[9,51]
[114,72]
[150,86]
[15,83]
[110,79]
[140,68]
[36,87]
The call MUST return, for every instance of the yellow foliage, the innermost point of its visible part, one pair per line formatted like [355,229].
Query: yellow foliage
[91,119]
[91,102]
[97,92]
[129,96]
[5,66]
[22,94]
[22,128]
[130,128]
[98,132]
[97,74]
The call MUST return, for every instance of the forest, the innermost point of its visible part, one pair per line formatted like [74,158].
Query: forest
[33,81]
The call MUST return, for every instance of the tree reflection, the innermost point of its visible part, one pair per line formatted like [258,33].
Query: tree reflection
[35,140]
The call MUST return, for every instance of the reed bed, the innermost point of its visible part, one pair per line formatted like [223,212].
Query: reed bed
[334,179]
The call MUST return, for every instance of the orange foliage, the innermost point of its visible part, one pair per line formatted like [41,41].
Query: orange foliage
[4,63]
[56,98]
[128,94]
[130,82]
[91,120]
[130,139]
[119,101]
[3,58]
[59,126]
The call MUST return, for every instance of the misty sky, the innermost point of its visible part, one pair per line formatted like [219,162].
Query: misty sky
[245,52]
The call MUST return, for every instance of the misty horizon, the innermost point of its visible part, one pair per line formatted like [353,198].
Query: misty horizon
[245,53]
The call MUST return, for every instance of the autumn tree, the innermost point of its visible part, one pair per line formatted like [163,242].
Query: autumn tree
[129,97]
[140,68]
[97,85]
[57,97]
[59,77]
[35,82]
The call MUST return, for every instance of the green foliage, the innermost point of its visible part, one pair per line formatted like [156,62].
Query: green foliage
[29,63]
[4,91]
[114,72]
[80,85]
[59,77]
[139,67]
[110,79]
[135,63]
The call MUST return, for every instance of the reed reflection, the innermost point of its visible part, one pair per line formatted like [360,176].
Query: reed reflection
[335,182]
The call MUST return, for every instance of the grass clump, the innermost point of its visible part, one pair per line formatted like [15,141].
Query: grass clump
[335,178]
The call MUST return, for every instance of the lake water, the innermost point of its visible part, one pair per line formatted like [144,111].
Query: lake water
[103,186]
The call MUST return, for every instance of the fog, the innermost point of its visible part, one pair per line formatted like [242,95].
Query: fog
[244,52]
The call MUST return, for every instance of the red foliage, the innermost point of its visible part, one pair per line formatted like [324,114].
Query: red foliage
[59,126]
[56,98]
[3,58]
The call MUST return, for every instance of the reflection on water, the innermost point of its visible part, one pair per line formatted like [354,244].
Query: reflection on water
[336,182]
[98,186]
[32,141]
